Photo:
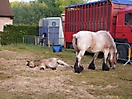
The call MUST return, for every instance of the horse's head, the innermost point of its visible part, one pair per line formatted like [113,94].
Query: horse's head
[113,60]
[30,64]
[33,64]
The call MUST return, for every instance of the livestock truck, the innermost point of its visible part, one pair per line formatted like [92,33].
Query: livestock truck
[114,16]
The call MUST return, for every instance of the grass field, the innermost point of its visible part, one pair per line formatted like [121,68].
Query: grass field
[17,81]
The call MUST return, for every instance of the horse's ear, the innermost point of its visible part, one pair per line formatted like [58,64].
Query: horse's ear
[27,63]
[117,53]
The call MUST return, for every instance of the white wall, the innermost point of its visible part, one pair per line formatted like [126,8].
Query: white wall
[5,21]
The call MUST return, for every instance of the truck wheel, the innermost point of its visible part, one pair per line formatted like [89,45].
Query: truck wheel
[123,51]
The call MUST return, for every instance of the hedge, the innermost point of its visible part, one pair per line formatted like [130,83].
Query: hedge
[15,33]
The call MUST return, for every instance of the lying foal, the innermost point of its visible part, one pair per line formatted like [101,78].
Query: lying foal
[47,63]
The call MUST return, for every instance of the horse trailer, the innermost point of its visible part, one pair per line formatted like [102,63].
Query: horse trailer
[52,27]
[114,16]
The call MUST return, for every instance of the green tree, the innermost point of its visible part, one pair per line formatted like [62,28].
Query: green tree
[30,13]
[63,3]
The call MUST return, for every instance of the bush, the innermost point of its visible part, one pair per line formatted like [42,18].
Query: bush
[15,33]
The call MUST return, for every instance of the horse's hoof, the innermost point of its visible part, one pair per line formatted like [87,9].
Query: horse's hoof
[112,67]
[105,67]
[71,66]
[81,68]
[41,68]
[91,66]
[31,66]
[78,70]
[53,68]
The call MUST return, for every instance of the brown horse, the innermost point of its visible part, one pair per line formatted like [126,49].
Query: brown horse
[94,42]
[52,63]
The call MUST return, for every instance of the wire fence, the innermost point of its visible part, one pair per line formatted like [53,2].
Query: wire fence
[37,40]
[28,39]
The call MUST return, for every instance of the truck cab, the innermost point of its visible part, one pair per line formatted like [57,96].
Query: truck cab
[124,25]
[123,32]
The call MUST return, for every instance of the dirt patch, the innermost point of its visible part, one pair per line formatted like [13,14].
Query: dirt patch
[22,82]
[22,79]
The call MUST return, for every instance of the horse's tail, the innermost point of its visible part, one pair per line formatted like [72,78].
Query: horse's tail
[74,40]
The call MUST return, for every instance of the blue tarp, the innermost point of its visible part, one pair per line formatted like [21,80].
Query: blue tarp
[114,1]
[122,1]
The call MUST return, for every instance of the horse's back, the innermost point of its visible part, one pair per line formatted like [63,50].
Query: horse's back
[107,38]
[92,41]
[82,40]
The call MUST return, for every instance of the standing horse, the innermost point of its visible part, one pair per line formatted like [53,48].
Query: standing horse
[94,42]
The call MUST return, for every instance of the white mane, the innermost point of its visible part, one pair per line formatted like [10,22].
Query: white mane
[108,33]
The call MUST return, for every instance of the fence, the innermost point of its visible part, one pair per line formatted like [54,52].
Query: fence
[28,39]
[128,60]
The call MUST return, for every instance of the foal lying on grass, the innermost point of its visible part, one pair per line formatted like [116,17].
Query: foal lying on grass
[52,63]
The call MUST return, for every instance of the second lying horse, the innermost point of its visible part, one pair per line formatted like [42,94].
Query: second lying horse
[94,42]
[52,63]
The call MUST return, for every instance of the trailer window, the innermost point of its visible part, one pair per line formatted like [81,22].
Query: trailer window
[128,19]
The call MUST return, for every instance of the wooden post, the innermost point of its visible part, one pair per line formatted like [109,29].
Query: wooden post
[64,43]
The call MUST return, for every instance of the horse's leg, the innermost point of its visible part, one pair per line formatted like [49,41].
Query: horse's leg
[41,42]
[77,67]
[42,67]
[111,60]
[76,63]
[92,64]
[104,65]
